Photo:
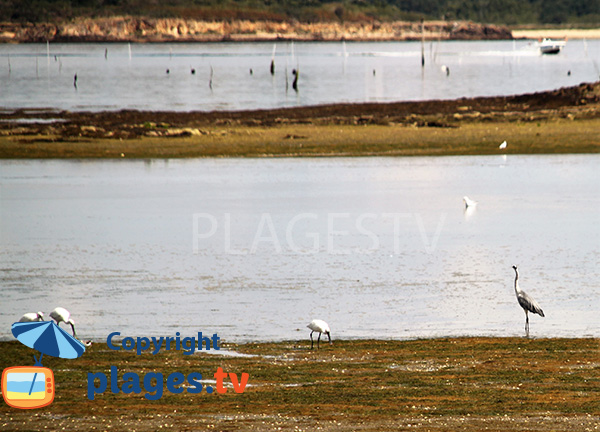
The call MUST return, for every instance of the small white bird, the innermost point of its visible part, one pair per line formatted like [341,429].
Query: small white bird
[469,202]
[321,327]
[60,314]
[32,317]
[502,146]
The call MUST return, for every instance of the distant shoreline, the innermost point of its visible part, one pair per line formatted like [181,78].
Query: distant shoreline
[148,30]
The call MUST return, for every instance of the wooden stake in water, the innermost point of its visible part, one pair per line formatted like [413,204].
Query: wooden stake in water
[129,49]
[344,57]
[296,72]
[286,76]
[422,43]
[273,60]
[9,68]
[211,77]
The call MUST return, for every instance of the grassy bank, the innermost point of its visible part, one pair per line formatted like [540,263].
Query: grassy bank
[565,120]
[558,136]
[436,384]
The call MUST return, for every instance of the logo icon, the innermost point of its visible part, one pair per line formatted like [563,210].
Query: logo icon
[28,387]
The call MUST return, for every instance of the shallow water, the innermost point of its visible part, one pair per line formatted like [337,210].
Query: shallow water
[255,249]
[134,76]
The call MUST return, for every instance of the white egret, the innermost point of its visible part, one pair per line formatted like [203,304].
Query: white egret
[321,327]
[32,316]
[503,145]
[469,202]
[60,314]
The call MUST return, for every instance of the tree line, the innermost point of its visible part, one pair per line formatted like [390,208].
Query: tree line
[509,12]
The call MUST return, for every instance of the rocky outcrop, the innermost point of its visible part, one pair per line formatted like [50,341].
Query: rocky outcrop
[130,29]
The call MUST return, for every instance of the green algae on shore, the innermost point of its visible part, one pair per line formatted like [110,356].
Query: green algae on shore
[433,384]
[566,120]
[562,136]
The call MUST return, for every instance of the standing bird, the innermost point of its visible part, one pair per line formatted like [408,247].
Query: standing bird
[319,326]
[526,301]
[61,314]
[32,317]
[295,72]
[502,146]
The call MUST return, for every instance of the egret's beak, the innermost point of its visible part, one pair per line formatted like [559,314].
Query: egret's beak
[73,328]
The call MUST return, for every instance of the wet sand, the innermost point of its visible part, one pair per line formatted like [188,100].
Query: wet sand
[556,33]
[499,384]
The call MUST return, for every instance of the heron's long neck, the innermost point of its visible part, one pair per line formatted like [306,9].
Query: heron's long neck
[517,289]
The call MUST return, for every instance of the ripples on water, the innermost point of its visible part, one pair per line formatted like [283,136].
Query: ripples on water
[134,76]
[396,255]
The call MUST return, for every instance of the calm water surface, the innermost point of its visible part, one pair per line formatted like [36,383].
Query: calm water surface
[118,76]
[254,249]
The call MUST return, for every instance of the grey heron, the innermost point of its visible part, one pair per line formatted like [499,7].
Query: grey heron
[526,301]
[321,327]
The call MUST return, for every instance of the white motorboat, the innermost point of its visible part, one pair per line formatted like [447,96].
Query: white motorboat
[549,46]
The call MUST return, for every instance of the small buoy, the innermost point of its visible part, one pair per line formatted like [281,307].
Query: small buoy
[168,71]
[193,71]
[122,154]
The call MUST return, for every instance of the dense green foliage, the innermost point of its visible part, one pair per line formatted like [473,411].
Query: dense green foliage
[487,11]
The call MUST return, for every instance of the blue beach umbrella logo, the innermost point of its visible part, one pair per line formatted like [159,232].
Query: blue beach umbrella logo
[47,338]
[28,387]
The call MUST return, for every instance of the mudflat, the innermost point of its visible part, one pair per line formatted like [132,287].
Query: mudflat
[445,384]
[566,120]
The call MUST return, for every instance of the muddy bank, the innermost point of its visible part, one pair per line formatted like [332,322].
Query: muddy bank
[500,384]
[131,29]
[560,121]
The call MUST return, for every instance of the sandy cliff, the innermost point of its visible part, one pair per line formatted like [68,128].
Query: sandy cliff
[174,30]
